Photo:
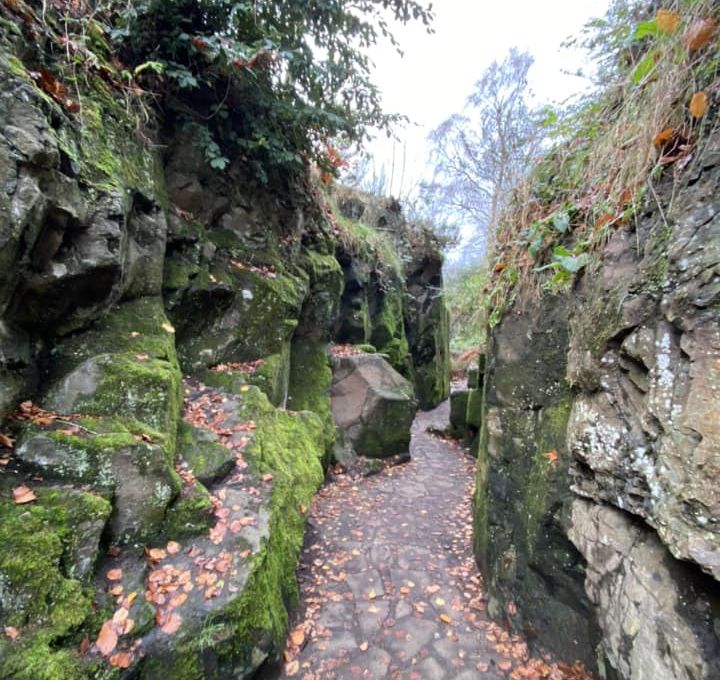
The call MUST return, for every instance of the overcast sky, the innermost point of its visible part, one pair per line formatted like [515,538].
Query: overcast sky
[438,71]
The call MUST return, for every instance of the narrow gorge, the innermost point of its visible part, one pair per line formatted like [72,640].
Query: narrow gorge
[231,441]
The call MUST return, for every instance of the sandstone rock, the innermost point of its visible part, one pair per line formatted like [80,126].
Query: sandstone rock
[373,404]
[656,614]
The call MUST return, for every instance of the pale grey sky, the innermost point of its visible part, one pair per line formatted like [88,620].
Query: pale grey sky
[438,71]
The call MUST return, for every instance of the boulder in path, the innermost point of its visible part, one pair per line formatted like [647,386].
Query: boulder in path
[373,404]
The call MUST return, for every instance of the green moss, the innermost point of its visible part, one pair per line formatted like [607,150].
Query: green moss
[458,413]
[310,383]
[146,391]
[41,542]
[474,408]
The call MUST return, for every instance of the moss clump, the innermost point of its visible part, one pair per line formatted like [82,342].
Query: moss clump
[43,546]
[310,383]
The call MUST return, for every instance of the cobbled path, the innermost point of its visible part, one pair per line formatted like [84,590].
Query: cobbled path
[388,582]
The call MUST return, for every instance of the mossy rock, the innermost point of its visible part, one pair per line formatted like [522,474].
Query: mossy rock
[125,366]
[191,514]
[49,550]
[310,384]
[204,454]
[474,409]
[234,635]
[236,314]
[458,413]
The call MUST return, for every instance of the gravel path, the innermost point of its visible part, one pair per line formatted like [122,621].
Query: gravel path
[389,586]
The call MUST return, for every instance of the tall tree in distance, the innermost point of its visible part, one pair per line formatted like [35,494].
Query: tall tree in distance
[485,151]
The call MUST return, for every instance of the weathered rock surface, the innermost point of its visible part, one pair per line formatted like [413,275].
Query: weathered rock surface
[119,269]
[373,404]
[609,394]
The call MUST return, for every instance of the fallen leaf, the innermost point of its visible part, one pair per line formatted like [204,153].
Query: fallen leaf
[439,602]
[267,478]
[7,442]
[552,456]
[142,357]
[432,589]
[698,105]
[512,608]
[667,20]
[445,618]
[114,575]
[107,639]
[168,328]
[698,34]
[121,660]
[173,548]
[11,633]
[120,617]
[662,138]
[364,646]
[292,668]
[156,554]
[171,623]
[23,495]
[297,637]
[372,594]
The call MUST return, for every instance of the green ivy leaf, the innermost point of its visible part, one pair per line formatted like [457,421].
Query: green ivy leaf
[645,67]
[646,29]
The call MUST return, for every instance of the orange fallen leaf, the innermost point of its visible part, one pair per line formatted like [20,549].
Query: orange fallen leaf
[292,668]
[120,617]
[699,34]
[662,138]
[698,105]
[23,495]
[168,328]
[500,266]
[432,589]
[156,554]
[552,456]
[107,639]
[173,548]
[267,478]
[171,623]
[142,357]
[121,660]
[114,575]
[667,20]
[445,618]
[297,637]
[364,646]
[11,633]
[7,442]
[404,590]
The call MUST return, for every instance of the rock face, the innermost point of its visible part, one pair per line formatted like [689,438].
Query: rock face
[400,310]
[122,271]
[598,501]
[373,405]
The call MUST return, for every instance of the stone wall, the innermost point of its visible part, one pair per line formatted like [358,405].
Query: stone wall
[598,510]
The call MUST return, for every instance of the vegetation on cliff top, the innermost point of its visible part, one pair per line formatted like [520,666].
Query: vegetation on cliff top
[603,156]
[272,84]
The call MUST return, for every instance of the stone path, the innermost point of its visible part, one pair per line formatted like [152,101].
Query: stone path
[388,583]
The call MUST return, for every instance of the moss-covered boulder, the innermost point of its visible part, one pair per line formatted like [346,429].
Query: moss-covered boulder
[49,550]
[373,404]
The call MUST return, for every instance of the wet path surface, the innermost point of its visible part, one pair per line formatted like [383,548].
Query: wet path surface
[388,582]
